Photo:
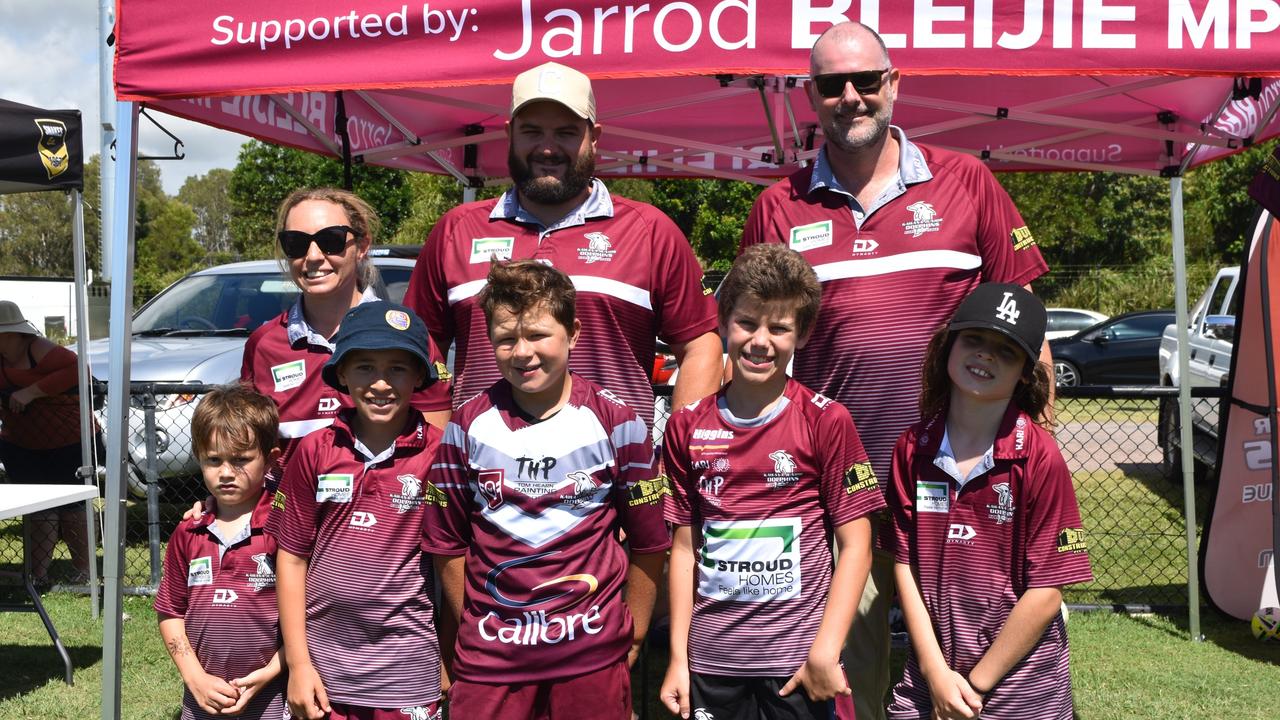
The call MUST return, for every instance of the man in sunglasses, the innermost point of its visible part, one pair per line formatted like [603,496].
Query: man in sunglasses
[898,233]
[635,273]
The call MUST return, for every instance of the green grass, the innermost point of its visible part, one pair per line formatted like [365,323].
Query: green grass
[1123,667]
[1105,409]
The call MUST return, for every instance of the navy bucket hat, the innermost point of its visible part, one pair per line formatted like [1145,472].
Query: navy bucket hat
[380,325]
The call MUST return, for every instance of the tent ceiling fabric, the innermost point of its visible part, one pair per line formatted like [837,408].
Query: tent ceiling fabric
[39,149]
[1032,87]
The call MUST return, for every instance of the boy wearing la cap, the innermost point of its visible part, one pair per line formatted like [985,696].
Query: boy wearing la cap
[353,585]
[539,474]
[987,526]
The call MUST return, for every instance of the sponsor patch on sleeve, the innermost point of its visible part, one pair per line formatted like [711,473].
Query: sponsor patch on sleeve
[435,495]
[1022,238]
[859,477]
[648,492]
[1071,540]
[277,502]
[442,371]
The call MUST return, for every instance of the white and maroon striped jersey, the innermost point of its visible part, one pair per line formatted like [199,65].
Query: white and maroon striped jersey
[369,625]
[634,271]
[226,598]
[536,508]
[888,285]
[289,374]
[977,549]
[762,497]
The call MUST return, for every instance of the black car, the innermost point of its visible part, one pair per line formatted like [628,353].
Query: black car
[1121,351]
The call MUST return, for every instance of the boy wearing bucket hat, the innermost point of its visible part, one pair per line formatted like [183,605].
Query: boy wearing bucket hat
[353,585]
[987,526]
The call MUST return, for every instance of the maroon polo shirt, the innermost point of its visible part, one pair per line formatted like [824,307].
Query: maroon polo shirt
[226,597]
[369,625]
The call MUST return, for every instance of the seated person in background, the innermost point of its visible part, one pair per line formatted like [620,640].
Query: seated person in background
[217,598]
[40,435]
[763,474]
[535,478]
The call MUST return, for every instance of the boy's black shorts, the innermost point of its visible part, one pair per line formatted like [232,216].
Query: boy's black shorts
[722,697]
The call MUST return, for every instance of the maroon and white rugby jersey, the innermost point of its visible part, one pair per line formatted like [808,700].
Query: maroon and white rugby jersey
[536,508]
[226,597]
[282,360]
[762,497]
[634,271]
[889,284]
[977,549]
[369,624]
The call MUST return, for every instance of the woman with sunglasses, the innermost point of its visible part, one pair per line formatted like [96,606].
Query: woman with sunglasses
[323,235]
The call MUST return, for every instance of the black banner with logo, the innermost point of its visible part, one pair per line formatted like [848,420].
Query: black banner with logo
[39,149]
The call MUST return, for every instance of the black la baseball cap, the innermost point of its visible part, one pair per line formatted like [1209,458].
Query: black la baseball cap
[1005,308]
[380,325]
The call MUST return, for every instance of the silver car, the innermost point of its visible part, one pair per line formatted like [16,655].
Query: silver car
[194,332]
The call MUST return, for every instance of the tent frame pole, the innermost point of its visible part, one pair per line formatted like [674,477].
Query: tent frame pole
[1184,409]
[88,463]
[117,411]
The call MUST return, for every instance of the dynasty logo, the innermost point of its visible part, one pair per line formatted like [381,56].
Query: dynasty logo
[53,146]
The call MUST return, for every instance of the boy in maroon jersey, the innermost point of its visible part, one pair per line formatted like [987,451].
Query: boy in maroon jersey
[217,599]
[355,611]
[763,474]
[537,475]
[987,526]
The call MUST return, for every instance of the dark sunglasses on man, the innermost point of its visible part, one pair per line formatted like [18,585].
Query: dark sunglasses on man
[865,82]
[331,241]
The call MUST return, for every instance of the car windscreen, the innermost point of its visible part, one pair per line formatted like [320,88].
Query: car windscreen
[216,303]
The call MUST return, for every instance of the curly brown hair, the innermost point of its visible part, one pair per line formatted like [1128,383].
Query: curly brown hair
[771,273]
[361,218]
[1031,395]
[523,285]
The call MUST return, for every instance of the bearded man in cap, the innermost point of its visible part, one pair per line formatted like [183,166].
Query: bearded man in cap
[635,273]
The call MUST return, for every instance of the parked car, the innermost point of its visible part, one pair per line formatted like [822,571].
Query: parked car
[1119,351]
[1210,340]
[194,331]
[1065,322]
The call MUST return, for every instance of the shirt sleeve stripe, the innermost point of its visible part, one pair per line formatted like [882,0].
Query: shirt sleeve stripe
[920,260]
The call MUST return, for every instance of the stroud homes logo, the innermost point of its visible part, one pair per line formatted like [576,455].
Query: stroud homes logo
[751,561]
[53,146]
[542,620]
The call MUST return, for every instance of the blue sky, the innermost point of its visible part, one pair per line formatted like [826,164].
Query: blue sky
[49,58]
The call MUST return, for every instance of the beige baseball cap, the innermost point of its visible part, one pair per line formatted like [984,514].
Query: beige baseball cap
[556,83]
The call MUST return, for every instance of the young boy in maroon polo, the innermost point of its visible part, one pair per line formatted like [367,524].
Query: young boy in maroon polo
[217,597]
[355,609]
[987,526]
[539,474]
[763,474]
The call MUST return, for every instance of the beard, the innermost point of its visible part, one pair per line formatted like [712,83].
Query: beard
[845,137]
[549,190]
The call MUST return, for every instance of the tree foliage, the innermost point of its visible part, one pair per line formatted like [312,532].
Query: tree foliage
[209,198]
[266,174]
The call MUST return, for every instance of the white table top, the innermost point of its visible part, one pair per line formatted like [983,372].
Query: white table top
[16,499]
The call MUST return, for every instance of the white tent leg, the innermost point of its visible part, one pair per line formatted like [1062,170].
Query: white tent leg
[1184,408]
[121,325]
[86,390]
[106,134]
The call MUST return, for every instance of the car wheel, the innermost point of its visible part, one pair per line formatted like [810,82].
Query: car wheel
[1066,374]
[1170,453]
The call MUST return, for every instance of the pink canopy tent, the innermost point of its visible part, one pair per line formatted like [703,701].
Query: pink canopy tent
[708,88]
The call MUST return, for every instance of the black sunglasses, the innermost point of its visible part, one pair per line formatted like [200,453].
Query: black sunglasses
[331,241]
[865,82]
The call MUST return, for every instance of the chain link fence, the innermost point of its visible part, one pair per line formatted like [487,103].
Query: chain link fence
[1131,503]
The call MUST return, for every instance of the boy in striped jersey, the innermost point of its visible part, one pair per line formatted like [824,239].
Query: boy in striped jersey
[763,474]
[537,475]
[217,599]
[355,606]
